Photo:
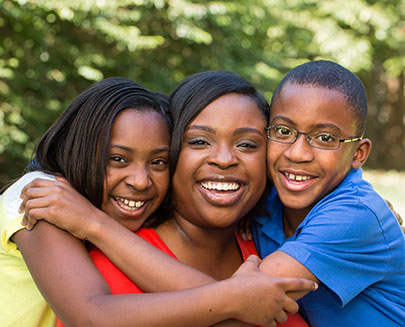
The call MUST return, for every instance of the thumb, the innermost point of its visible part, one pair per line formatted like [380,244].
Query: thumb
[251,263]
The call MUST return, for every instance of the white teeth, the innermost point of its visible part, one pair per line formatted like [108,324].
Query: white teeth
[220,186]
[130,204]
[297,177]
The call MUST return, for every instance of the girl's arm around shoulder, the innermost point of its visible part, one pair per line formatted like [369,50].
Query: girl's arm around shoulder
[79,295]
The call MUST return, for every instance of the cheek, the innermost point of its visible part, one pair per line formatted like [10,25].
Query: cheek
[258,169]
[161,182]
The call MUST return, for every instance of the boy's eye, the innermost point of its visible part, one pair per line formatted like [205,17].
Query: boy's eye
[325,137]
[283,130]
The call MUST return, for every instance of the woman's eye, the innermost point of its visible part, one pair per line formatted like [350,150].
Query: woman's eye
[248,145]
[197,142]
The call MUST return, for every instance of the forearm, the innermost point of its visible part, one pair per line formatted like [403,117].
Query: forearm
[79,295]
[202,306]
[141,261]
[282,265]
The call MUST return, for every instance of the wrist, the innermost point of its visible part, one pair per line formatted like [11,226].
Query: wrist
[227,291]
[97,226]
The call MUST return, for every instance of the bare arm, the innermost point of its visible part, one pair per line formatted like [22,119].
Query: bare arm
[56,259]
[60,204]
[281,264]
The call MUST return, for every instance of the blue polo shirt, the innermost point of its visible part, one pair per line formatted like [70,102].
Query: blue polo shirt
[352,242]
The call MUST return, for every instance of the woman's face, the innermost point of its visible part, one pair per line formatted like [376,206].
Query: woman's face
[221,169]
[138,173]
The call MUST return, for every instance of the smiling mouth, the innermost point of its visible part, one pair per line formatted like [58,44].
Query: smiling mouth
[220,186]
[128,204]
[297,178]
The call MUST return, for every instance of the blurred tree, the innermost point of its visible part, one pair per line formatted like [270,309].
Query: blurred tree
[51,50]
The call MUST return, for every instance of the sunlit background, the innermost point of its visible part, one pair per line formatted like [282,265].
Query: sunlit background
[51,50]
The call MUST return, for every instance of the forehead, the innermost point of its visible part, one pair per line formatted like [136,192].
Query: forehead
[309,107]
[231,107]
[135,124]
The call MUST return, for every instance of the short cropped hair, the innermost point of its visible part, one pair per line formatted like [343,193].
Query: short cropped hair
[196,92]
[77,145]
[332,76]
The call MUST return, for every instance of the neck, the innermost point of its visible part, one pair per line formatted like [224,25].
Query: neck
[292,218]
[212,251]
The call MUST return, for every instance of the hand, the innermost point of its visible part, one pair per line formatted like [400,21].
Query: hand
[58,203]
[399,218]
[262,298]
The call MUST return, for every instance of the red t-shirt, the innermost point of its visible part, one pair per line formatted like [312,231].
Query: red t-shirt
[121,284]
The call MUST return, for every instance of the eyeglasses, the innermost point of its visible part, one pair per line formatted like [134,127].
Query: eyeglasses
[317,139]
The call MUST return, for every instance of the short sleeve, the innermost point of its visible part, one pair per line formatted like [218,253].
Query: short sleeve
[10,202]
[344,247]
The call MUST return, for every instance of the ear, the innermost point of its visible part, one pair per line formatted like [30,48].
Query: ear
[361,153]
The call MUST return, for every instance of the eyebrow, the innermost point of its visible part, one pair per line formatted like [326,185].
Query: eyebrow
[201,128]
[237,131]
[125,148]
[313,127]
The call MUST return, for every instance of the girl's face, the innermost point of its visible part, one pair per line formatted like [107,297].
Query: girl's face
[137,176]
[221,170]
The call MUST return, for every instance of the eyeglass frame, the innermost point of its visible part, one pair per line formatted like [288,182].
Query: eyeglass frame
[308,137]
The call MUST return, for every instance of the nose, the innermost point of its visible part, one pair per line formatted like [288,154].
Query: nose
[300,150]
[223,156]
[138,178]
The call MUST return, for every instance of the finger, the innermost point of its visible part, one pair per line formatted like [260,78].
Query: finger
[244,236]
[290,306]
[31,223]
[34,215]
[299,284]
[252,261]
[41,192]
[37,182]
[37,203]
[389,204]
[271,324]
[61,179]
[24,221]
[44,192]
[280,316]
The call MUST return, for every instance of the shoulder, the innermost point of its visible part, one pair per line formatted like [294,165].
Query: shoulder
[11,200]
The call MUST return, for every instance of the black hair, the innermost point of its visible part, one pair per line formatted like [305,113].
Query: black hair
[196,92]
[76,146]
[332,76]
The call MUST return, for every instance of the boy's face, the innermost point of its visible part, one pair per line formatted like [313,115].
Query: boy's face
[301,173]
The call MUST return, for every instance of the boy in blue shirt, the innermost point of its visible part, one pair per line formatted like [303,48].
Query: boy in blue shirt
[326,223]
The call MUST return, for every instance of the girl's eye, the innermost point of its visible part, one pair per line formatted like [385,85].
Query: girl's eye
[117,159]
[159,162]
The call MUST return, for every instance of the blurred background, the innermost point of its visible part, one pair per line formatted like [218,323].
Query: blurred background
[50,51]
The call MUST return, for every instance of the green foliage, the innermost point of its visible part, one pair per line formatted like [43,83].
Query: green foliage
[51,50]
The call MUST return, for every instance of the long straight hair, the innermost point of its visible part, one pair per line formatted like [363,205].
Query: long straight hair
[77,145]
